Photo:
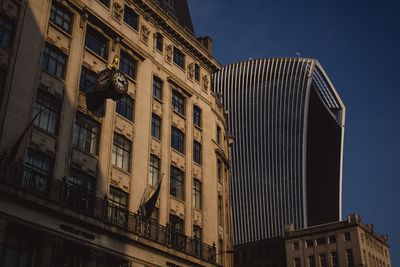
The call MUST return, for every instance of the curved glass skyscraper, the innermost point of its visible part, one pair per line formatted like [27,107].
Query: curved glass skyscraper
[288,122]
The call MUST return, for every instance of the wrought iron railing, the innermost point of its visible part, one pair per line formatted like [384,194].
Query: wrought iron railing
[87,203]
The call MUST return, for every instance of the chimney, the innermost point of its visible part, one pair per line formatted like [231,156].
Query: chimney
[206,42]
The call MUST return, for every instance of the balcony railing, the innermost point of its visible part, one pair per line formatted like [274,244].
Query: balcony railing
[85,202]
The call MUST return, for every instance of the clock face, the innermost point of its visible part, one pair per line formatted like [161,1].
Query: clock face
[120,81]
[103,80]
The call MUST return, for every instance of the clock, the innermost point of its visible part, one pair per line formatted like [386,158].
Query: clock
[119,81]
[103,80]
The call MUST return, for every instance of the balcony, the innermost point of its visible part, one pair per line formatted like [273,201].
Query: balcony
[86,203]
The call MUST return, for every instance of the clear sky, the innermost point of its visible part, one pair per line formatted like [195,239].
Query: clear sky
[358,44]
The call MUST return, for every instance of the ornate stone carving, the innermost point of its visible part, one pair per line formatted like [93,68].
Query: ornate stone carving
[191,71]
[144,36]
[205,82]
[169,53]
[118,11]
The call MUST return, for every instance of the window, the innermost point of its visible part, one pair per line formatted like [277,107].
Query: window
[321,241]
[311,261]
[334,258]
[295,245]
[53,61]
[176,183]
[156,126]
[121,152]
[197,152]
[48,108]
[220,214]
[96,42]
[349,257]
[310,243]
[332,239]
[177,140]
[179,58]
[197,116]
[197,72]
[322,260]
[176,223]
[128,64]
[196,194]
[219,169]
[297,262]
[6,33]
[154,170]
[178,102]
[81,179]
[157,87]
[88,80]
[86,134]
[218,134]
[169,2]
[41,167]
[347,236]
[105,2]
[131,18]
[197,232]
[118,197]
[159,41]
[124,107]
[177,232]
[61,17]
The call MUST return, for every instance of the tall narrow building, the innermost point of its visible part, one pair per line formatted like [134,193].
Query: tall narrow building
[76,183]
[288,124]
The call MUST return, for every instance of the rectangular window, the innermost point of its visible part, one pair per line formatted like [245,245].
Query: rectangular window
[219,169]
[105,2]
[88,80]
[349,257]
[176,183]
[121,152]
[347,236]
[197,232]
[128,64]
[53,61]
[176,223]
[48,108]
[177,140]
[310,243]
[179,58]
[332,239]
[197,152]
[197,116]
[118,197]
[154,170]
[157,87]
[96,42]
[61,17]
[124,107]
[220,210]
[156,126]
[40,167]
[321,241]
[295,245]
[297,262]
[218,134]
[334,258]
[322,260]
[197,194]
[159,40]
[131,18]
[6,33]
[82,180]
[178,102]
[311,261]
[197,72]
[86,134]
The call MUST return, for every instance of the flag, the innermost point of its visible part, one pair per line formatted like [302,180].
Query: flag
[147,208]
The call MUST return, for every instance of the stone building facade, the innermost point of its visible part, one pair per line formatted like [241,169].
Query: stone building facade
[71,192]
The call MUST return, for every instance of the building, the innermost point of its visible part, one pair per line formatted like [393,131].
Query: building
[288,124]
[344,243]
[71,181]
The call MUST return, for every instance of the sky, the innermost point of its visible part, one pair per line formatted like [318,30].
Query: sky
[357,43]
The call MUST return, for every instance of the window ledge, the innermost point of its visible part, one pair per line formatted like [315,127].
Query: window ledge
[125,119]
[52,135]
[105,61]
[62,80]
[94,156]
[155,139]
[130,27]
[179,114]
[178,199]
[158,100]
[101,4]
[60,29]
[178,152]
[121,170]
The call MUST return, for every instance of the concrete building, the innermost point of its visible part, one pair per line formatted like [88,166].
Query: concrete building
[71,190]
[288,124]
[345,243]
[338,244]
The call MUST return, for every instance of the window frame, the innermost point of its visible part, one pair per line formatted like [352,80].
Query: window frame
[128,20]
[179,58]
[53,57]
[128,64]
[197,72]
[197,152]
[177,183]
[220,207]
[178,102]
[125,107]
[49,107]
[86,127]
[7,29]
[124,145]
[115,193]
[87,80]
[154,170]
[94,37]
[197,194]
[158,85]
[89,181]
[65,15]
[156,123]
[177,140]
[159,42]
[197,116]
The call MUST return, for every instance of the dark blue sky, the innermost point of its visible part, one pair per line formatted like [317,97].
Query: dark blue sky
[358,44]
